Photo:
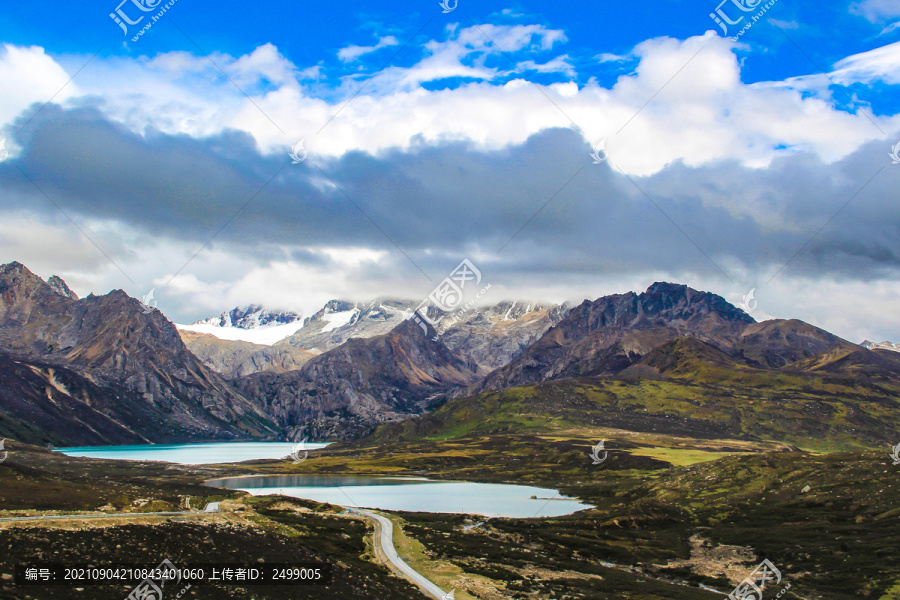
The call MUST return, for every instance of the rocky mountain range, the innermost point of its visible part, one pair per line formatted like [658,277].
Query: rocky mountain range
[842,398]
[491,336]
[338,395]
[102,370]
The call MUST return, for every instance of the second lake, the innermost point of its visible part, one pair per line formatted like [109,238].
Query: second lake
[412,495]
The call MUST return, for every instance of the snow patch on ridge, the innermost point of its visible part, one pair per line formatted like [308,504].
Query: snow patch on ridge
[265,336]
[338,319]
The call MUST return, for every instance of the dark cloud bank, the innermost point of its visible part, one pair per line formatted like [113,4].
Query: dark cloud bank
[452,198]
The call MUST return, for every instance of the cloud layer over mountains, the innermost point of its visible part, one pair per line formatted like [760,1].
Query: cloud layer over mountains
[716,183]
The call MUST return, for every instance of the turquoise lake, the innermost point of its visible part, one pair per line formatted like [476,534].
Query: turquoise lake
[413,495]
[386,493]
[192,454]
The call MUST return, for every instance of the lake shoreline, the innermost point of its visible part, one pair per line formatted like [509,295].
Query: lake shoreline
[492,500]
[200,453]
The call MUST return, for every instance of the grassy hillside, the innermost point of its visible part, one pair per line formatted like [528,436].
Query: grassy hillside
[684,389]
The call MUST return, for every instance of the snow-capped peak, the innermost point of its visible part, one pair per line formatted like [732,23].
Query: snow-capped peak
[251,317]
[251,323]
[880,346]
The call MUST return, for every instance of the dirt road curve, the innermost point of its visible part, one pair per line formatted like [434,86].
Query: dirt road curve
[384,538]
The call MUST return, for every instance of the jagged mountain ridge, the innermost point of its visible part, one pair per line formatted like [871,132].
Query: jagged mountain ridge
[59,286]
[676,361]
[252,316]
[339,320]
[344,392]
[142,375]
[495,335]
[611,333]
[491,335]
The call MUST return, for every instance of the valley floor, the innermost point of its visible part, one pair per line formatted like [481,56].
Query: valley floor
[674,518]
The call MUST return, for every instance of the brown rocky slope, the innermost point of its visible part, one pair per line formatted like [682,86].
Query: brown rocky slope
[125,361]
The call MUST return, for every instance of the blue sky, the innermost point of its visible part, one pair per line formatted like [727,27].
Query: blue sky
[732,165]
[311,34]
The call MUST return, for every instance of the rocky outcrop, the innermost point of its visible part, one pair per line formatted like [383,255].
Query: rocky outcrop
[340,320]
[44,403]
[779,342]
[233,358]
[494,335]
[59,286]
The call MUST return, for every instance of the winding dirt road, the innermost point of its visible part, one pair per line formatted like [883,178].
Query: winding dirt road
[384,542]
[384,539]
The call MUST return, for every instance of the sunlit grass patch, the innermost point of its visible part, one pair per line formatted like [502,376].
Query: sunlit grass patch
[681,457]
